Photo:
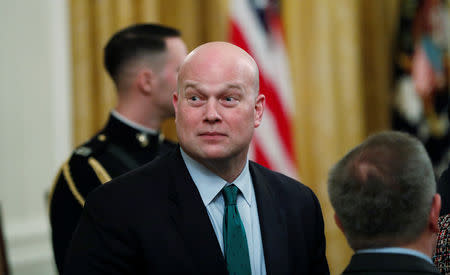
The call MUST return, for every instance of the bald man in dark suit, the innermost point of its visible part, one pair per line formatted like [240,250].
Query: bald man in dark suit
[205,208]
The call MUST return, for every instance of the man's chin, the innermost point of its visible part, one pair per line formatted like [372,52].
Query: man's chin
[215,155]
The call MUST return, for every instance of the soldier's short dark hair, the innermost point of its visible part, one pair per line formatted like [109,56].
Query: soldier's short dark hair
[135,41]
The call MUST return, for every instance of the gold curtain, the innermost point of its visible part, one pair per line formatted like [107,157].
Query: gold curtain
[340,54]
[341,59]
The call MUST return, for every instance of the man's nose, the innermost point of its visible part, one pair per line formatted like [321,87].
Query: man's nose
[211,113]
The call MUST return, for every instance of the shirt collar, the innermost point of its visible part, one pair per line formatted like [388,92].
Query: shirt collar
[133,124]
[210,185]
[397,250]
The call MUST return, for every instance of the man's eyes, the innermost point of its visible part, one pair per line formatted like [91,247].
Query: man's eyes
[230,101]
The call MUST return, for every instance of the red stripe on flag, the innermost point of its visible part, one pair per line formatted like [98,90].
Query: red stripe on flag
[283,122]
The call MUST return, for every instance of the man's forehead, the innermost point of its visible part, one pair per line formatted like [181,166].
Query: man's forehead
[217,70]
[215,63]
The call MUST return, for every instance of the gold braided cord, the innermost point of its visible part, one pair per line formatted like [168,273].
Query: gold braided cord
[71,183]
[100,171]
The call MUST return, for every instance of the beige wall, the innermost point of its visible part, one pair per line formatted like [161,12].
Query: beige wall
[35,124]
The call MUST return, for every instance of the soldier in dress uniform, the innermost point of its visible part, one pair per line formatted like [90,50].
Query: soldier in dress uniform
[143,61]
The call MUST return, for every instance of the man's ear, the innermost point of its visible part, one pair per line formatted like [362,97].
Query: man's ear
[434,213]
[259,109]
[145,79]
[338,222]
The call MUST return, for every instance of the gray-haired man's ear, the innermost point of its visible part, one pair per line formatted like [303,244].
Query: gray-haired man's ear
[434,213]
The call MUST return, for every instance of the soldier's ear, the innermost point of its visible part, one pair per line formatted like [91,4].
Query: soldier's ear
[145,81]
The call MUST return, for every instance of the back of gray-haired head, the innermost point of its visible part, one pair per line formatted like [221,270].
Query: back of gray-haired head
[382,191]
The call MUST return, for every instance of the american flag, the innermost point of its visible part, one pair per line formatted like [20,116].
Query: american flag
[255,26]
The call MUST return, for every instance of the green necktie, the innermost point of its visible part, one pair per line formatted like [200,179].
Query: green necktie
[234,239]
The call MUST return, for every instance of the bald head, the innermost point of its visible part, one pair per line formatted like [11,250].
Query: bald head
[220,56]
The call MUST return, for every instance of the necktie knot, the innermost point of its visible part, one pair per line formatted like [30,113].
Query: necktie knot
[230,194]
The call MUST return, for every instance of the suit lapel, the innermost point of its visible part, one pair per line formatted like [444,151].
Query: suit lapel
[191,219]
[272,224]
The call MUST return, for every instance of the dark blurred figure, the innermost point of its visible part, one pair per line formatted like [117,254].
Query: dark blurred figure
[442,254]
[420,99]
[384,195]
[143,61]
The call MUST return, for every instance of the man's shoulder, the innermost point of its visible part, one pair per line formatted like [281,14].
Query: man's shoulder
[147,180]
[91,148]
[84,159]
[130,195]
[77,176]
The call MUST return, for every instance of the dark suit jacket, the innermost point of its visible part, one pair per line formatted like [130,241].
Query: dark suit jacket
[152,220]
[388,263]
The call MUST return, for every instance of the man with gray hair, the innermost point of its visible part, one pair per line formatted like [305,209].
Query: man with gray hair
[384,195]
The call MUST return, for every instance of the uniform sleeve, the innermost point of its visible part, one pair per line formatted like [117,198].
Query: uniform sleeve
[74,181]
